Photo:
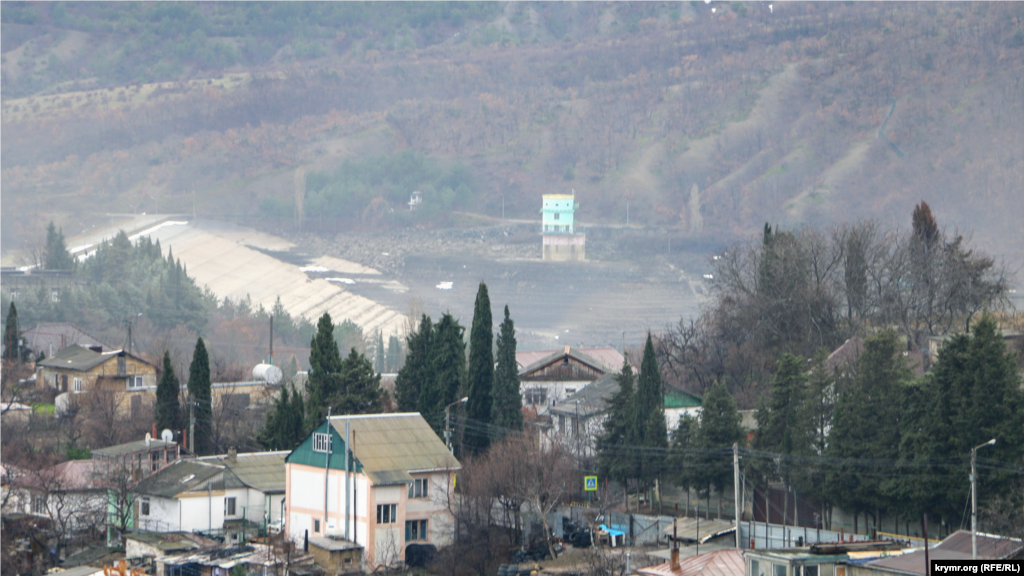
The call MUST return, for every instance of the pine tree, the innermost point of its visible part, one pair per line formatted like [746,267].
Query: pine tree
[649,416]
[168,390]
[199,390]
[867,424]
[11,334]
[719,429]
[418,368]
[448,367]
[324,368]
[507,410]
[613,460]
[480,377]
[358,387]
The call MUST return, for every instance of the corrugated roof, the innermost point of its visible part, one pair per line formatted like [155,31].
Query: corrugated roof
[606,355]
[593,398]
[75,358]
[990,546]
[263,471]
[389,446]
[178,477]
[132,447]
[718,563]
[577,354]
[693,529]
[79,571]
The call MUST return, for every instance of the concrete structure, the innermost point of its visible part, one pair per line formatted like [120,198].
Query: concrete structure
[77,370]
[233,495]
[553,375]
[336,556]
[394,493]
[561,242]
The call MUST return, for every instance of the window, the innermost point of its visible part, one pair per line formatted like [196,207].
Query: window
[754,568]
[418,488]
[321,442]
[121,367]
[316,526]
[134,382]
[39,504]
[415,530]
[14,294]
[811,570]
[536,395]
[570,391]
[144,507]
[387,513]
[778,570]
[557,215]
[229,506]
[77,383]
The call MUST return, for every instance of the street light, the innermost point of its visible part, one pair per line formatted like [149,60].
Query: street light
[447,422]
[974,500]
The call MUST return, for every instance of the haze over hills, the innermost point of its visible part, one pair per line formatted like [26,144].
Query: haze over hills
[707,119]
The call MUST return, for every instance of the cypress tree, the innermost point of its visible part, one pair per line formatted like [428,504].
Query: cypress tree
[11,334]
[777,419]
[271,437]
[815,421]
[681,458]
[324,369]
[168,409]
[199,390]
[481,372]
[507,410]
[379,363]
[448,366]
[295,424]
[394,358]
[418,369]
[613,460]
[649,416]
[359,386]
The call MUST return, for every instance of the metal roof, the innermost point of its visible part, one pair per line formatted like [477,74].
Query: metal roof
[990,546]
[263,471]
[606,355]
[718,563]
[333,544]
[593,398]
[133,447]
[390,446]
[78,571]
[82,359]
[181,476]
[687,528]
[558,355]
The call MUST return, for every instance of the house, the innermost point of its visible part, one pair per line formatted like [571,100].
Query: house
[956,546]
[816,560]
[71,495]
[561,242]
[549,376]
[49,338]
[392,493]
[581,416]
[233,495]
[141,458]
[130,380]
[717,563]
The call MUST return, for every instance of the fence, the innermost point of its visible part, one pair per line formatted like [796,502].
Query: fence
[762,535]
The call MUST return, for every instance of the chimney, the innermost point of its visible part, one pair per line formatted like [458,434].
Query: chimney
[674,555]
[232,454]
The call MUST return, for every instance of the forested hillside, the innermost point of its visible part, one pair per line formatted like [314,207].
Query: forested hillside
[707,118]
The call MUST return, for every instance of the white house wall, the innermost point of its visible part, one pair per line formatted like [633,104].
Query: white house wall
[163,514]
[202,511]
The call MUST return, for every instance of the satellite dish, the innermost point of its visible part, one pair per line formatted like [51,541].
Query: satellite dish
[167,435]
[148,436]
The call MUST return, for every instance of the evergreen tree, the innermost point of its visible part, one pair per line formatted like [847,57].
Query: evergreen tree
[379,363]
[284,426]
[57,255]
[815,421]
[480,377]
[324,372]
[507,410]
[778,424]
[418,368]
[168,409]
[613,459]
[682,454]
[649,417]
[448,367]
[867,424]
[719,429]
[358,387]
[11,334]
[295,424]
[199,390]
[394,358]
[971,396]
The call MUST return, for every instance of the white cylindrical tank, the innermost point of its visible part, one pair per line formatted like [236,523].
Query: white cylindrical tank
[268,373]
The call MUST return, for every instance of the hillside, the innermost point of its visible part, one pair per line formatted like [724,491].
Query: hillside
[794,113]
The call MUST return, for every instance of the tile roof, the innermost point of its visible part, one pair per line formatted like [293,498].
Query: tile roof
[718,563]
[389,446]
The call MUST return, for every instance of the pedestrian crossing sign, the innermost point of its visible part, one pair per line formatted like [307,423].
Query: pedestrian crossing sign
[590,483]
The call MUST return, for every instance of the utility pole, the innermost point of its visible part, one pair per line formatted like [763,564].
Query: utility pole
[348,490]
[447,422]
[191,424]
[272,341]
[974,500]
[327,467]
[736,488]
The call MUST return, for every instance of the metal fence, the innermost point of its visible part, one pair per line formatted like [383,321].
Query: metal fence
[762,535]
